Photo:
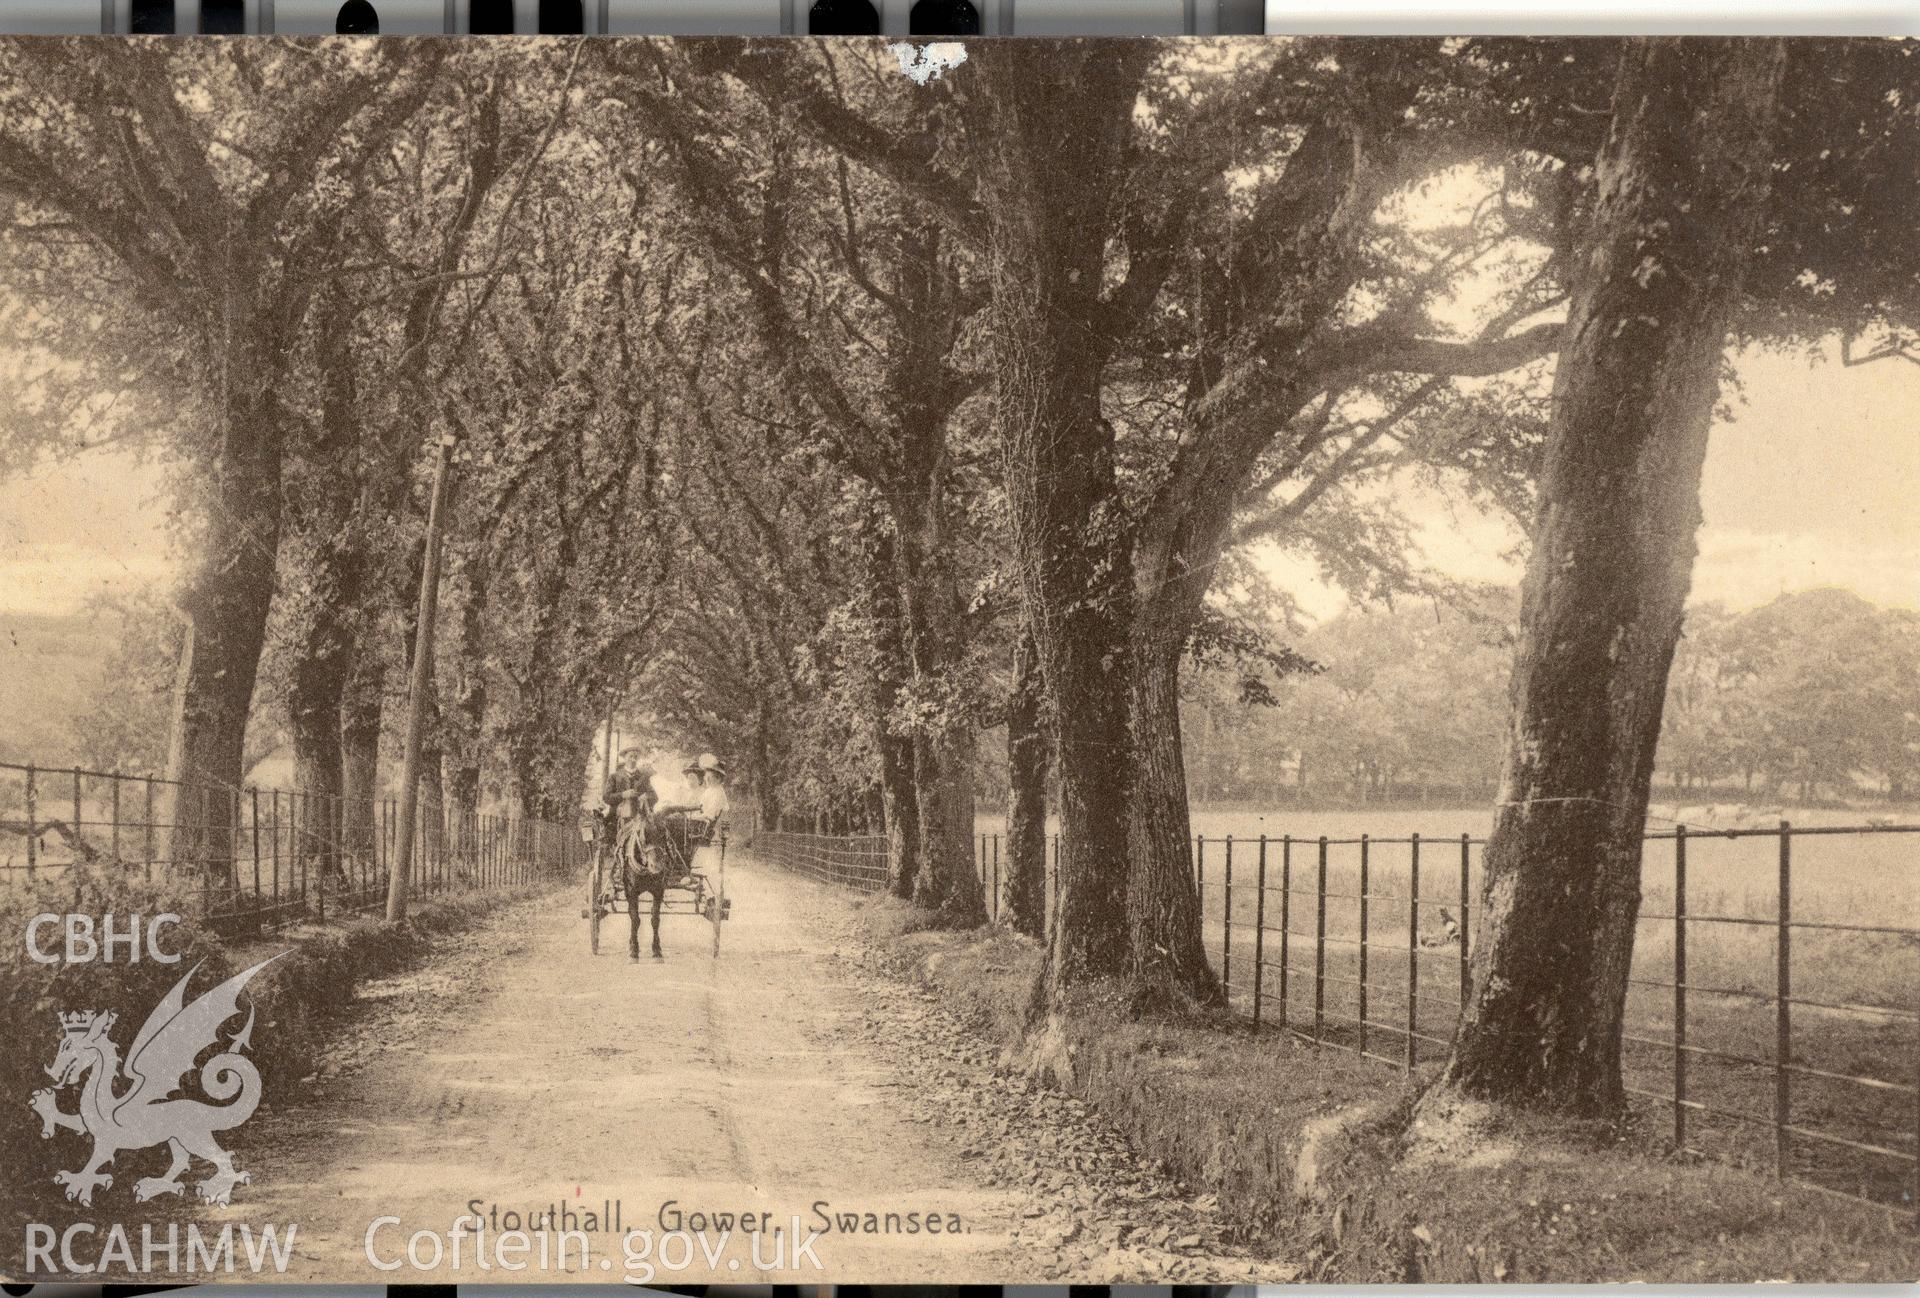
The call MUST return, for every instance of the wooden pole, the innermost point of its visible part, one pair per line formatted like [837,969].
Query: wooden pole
[417,690]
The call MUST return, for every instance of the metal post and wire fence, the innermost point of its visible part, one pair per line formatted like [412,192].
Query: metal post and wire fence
[1723,1022]
[1760,1029]
[858,861]
[273,859]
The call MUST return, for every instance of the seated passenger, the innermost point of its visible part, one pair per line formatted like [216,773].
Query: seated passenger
[628,793]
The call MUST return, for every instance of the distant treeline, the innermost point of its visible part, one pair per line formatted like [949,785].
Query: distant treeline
[1814,696]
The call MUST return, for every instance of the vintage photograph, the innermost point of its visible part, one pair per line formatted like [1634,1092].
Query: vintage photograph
[1095,661]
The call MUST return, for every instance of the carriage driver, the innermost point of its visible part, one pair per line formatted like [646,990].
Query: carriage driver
[629,790]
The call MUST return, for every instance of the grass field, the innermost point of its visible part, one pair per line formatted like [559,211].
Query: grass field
[1849,1110]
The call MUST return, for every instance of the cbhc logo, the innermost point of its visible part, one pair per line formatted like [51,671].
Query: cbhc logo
[86,943]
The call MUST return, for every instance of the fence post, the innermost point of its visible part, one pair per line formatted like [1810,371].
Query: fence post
[1466,887]
[996,877]
[1286,922]
[275,847]
[1363,943]
[1679,986]
[305,857]
[1320,943]
[253,796]
[116,816]
[33,836]
[1259,930]
[1413,955]
[147,865]
[79,841]
[1226,920]
[233,846]
[1783,1018]
[1200,873]
[204,843]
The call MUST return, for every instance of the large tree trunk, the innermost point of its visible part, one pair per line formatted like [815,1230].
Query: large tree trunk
[900,813]
[331,569]
[319,681]
[226,601]
[466,716]
[1028,756]
[1682,182]
[521,739]
[1050,166]
[1175,558]
[461,777]
[1163,899]
[360,761]
[763,774]
[947,882]
[899,794]
[432,810]
[1314,233]
[430,806]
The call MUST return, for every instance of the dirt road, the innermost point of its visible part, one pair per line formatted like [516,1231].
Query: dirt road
[782,1090]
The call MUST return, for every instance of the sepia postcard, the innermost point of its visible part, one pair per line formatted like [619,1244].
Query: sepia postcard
[1058,661]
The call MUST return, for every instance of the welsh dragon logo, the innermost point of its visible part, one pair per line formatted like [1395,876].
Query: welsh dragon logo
[148,1108]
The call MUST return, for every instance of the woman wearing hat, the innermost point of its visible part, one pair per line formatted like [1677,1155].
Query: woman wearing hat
[705,802]
[705,809]
[714,804]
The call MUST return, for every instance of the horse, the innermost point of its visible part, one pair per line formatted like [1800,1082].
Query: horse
[653,852]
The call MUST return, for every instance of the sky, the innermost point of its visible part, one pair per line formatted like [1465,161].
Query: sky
[71,531]
[1814,482]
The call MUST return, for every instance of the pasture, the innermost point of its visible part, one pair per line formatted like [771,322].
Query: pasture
[1825,1087]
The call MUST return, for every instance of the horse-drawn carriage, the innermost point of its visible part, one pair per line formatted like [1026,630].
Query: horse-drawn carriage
[653,857]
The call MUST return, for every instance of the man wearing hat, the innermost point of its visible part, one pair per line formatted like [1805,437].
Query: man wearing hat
[629,790]
[629,796]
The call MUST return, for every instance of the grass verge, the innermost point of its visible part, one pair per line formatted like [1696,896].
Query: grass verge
[1315,1155]
[297,1002]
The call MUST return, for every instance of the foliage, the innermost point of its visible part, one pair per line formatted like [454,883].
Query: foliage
[125,727]
[1401,696]
[1813,694]
[712,325]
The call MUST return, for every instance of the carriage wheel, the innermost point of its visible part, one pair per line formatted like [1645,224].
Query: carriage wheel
[719,899]
[594,908]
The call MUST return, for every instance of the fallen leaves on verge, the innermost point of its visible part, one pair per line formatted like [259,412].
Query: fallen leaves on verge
[1093,1211]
